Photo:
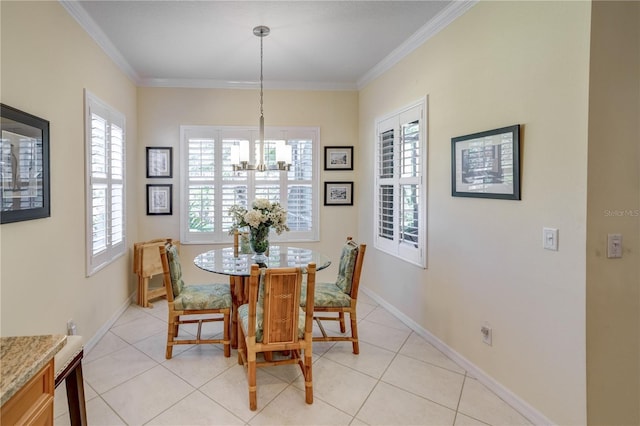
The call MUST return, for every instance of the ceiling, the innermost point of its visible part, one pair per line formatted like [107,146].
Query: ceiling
[326,45]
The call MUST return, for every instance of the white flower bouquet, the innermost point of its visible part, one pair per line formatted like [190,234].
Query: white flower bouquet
[263,214]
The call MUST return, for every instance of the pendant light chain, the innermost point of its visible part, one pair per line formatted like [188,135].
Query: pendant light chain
[261,94]
[262,31]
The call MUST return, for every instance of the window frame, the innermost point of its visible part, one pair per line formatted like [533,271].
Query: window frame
[393,183]
[112,251]
[218,133]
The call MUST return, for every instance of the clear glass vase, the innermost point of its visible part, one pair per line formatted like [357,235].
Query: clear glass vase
[259,240]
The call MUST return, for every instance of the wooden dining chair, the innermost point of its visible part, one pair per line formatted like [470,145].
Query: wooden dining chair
[341,296]
[209,302]
[274,321]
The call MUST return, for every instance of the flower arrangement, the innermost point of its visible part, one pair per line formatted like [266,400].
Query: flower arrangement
[263,214]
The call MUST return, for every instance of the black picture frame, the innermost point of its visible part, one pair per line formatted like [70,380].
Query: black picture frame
[159,199]
[25,175]
[338,193]
[338,158]
[487,164]
[159,162]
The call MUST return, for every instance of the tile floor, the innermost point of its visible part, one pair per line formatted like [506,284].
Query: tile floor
[398,379]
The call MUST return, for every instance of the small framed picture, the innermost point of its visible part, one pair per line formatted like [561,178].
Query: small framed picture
[338,158]
[159,199]
[159,162]
[338,193]
[487,164]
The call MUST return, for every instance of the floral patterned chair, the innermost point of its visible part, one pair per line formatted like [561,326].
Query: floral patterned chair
[273,321]
[341,296]
[213,301]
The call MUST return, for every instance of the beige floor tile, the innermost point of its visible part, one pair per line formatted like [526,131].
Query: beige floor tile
[364,309]
[60,403]
[155,347]
[145,396]
[340,386]
[116,368]
[388,405]
[98,414]
[381,335]
[372,360]
[139,328]
[434,383]
[108,344]
[132,313]
[160,309]
[290,408]
[199,364]
[381,316]
[417,347]
[196,409]
[365,298]
[231,390]
[397,379]
[480,403]
[462,420]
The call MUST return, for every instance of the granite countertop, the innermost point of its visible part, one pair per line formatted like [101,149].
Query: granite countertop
[21,357]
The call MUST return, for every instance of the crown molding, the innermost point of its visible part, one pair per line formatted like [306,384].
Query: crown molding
[89,25]
[226,84]
[449,14]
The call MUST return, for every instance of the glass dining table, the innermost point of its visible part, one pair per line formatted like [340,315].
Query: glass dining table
[237,265]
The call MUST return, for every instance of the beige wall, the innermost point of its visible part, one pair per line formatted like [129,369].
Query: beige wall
[47,61]
[502,63]
[613,293]
[161,111]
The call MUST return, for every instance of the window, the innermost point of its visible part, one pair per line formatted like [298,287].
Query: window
[105,183]
[209,186]
[400,185]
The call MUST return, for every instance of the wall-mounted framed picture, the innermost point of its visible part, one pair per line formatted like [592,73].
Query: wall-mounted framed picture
[338,158]
[159,199]
[24,176]
[487,164]
[159,162]
[338,193]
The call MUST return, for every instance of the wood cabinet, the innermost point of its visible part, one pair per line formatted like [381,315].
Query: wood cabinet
[33,403]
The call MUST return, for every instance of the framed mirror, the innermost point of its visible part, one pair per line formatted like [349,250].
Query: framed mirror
[24,165]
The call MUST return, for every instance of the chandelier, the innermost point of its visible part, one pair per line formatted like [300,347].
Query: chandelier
[240,154]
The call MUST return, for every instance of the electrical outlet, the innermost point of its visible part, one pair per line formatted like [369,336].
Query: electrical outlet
[71,328]
[486,333]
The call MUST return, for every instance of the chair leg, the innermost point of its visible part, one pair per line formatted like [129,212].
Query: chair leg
[242,346]
[354,333]
[342,325]
[227,345]
[75,397]
[253,398]
[171,330]
[308,376]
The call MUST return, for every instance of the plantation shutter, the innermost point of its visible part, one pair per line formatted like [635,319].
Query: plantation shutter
[400,194]
[105,181]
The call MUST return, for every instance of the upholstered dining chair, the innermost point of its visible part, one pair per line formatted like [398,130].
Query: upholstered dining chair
[341,296]
[209,302]
[274,321]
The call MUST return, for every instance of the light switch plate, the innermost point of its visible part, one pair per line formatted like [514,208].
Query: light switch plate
[550,239]
[614,246]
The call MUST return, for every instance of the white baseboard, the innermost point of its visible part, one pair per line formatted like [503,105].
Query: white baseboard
[89,344]
[520,405]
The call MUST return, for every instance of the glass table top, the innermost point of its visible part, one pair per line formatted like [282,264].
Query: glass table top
[223,261]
